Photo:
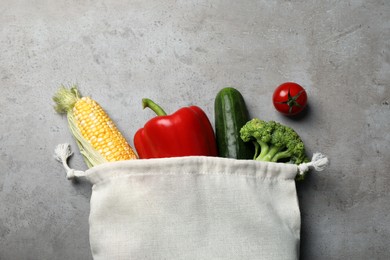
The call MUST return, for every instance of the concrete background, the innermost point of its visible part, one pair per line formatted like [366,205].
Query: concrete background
[180,53]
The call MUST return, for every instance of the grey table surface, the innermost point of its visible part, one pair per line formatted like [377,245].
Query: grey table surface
[181,53]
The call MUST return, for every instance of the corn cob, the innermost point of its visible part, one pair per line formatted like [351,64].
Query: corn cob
[97,136]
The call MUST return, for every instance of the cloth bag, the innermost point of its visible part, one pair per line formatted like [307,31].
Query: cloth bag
[193,208]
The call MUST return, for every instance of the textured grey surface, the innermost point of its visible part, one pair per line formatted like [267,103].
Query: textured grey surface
[180,53]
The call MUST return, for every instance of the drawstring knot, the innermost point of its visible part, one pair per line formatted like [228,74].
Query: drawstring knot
[62,153]
[318,162]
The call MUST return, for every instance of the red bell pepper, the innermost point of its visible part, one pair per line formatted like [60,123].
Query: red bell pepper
[187,132]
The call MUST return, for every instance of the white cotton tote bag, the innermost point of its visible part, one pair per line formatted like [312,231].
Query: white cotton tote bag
[193,208]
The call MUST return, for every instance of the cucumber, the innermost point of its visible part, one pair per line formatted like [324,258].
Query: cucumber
[231,114]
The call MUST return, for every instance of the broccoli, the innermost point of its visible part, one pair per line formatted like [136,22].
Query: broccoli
[274,142]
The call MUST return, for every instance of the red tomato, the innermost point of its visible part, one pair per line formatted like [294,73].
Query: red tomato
[289,98]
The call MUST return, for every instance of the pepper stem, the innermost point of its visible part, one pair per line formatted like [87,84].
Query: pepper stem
[146,102]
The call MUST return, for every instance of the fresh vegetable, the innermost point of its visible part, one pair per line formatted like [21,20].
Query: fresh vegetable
[274,142]
[231,114]
[97,136]
[186,132]
[289,98]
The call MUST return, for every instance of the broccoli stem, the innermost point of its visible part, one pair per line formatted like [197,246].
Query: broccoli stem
[270,154]
[257,149]
[264,148]
[281,155]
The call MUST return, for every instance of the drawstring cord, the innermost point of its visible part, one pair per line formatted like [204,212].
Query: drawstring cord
[318,162]
[62,153]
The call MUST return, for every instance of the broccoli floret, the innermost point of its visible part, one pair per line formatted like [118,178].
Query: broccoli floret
[274,142]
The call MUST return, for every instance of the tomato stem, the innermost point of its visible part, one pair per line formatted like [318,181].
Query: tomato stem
[292,100]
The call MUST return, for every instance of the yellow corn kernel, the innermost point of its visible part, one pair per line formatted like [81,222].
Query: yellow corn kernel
[99,130]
